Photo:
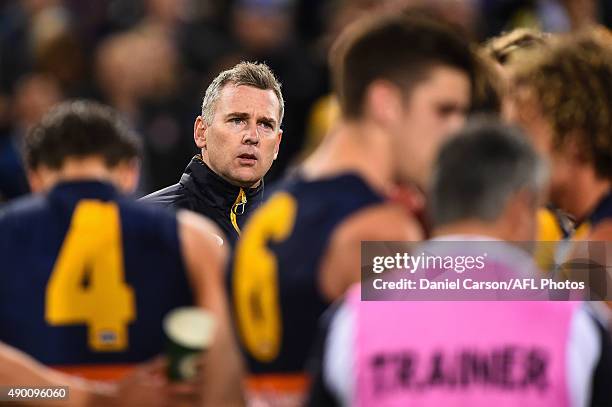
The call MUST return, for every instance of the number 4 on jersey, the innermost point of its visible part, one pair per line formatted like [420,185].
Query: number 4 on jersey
[87,285]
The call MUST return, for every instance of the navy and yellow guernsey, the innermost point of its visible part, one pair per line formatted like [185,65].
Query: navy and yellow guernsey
[602,212]
[86,278]
[274,273]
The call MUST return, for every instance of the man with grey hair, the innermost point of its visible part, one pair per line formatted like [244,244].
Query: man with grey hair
[239,136]
[489,182]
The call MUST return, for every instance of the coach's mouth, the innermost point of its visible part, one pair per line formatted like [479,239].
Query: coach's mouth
[247,159]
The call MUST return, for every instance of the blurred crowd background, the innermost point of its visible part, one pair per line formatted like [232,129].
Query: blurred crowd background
[153,59]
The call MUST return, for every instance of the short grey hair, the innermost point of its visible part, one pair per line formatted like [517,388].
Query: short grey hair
[255,74]
[479,170]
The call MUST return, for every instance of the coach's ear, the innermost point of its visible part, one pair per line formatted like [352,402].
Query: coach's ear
[199,133]
[279,138]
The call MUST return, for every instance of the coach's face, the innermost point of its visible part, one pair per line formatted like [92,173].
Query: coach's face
[435,108]
[244,136]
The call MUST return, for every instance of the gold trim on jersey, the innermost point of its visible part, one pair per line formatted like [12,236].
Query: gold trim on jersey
[240,202]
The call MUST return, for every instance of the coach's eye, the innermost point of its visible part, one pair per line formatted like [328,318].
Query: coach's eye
[236,120]
[267,125]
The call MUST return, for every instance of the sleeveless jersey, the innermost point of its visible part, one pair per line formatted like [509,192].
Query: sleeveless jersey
[86,276]
[274,272]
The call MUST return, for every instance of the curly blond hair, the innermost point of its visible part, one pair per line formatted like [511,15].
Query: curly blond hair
[572,82]
[508,45]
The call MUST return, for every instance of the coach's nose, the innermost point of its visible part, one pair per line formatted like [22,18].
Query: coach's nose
[251,137]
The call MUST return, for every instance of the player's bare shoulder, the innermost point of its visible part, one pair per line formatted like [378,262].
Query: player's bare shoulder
[386,221]
[194,225]
[340,266]
[204,252]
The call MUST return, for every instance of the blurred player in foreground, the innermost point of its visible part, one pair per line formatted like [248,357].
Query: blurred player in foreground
[563,98]
[507,51]
[403,85]
[87,275]
[488,186]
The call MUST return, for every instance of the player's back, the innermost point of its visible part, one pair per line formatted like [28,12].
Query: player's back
[274,275]
[86,276]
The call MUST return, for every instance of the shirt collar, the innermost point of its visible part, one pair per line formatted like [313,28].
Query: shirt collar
[72,191]
[206,184]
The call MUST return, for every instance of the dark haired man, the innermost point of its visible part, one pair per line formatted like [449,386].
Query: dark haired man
[239,135]
[403,85]
[87,275]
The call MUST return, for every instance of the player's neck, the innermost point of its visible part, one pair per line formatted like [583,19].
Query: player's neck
[354,147]
[88,168]
[586,191]
[74,170]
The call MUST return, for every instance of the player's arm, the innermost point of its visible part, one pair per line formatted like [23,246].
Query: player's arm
[20,370]
[205,259]
[146,384]
[341,265]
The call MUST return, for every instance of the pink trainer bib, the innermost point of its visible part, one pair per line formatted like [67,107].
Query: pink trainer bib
[500,354]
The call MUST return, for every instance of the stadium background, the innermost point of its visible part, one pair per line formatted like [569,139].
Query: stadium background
[152,60]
